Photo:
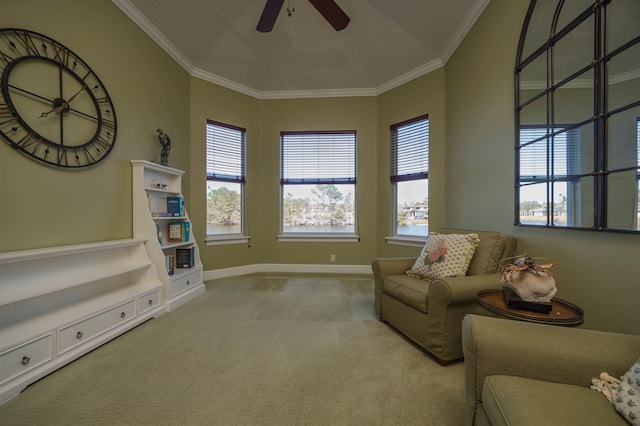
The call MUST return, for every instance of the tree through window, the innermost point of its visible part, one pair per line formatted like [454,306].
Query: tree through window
[225,179]
[318,182]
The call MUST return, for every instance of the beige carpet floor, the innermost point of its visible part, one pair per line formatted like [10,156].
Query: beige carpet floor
[263,349]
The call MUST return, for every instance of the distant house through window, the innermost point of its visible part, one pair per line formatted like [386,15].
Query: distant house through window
[410,176]
[225,179]
[318,184]
[550,184]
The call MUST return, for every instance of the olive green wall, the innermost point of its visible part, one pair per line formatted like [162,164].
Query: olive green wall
[318,114]
[212,102]
[469,102]
[424,95]
[597,271]
[45,206]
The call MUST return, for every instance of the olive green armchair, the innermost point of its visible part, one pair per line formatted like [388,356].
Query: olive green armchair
[430,312]
[522,373]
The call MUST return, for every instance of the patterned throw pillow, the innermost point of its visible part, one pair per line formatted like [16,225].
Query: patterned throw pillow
[627,397]
[445,255]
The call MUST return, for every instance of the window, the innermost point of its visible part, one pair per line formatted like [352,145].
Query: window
[318,183]
[410,176]
[577,64]
[550,187]
[638,174]
[225,180]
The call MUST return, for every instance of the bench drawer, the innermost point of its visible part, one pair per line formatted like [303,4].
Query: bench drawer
[78,333]
[148,301]
[25,357]
[185,282]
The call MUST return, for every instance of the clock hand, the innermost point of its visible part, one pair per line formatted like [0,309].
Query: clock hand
[29,93]
[65,104]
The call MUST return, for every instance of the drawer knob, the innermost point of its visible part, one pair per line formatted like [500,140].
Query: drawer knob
[150,302]
[122,315]
[25,360]
[79,335]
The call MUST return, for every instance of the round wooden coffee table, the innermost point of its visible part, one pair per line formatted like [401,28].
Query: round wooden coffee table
[562,312]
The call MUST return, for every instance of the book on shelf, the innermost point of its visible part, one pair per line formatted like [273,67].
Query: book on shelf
[179,232]
[162,214]
[159,232]
[175,206]
[185,257]
[170,263]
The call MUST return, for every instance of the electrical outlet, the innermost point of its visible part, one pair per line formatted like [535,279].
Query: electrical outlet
[333,257]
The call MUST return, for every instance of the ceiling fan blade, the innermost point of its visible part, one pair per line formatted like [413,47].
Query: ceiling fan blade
[332,13]
[269,15]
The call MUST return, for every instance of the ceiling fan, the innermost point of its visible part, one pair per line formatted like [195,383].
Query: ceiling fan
[327,8]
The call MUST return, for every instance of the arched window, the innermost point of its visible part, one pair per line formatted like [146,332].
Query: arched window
[577,104]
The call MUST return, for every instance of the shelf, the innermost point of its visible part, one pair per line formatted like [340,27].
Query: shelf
[184,284]
[161,191]
[50,252]
[180,272]
[67,313]
[91,263]
[177,244]
[169,217]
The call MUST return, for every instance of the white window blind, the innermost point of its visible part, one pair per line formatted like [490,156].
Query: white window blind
[543,157]
[318,157]
[638,142]
[225,152]
[410,149]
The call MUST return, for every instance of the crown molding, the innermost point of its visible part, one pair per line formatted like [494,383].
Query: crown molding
[139,19]
[411,75]
[468,22]
[225,82]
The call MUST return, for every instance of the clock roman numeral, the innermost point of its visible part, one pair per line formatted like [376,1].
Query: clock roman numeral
[88,157]
[63,159]
[103,100]
[6,59]
[29,44]
[110,124]
[5,112]
[104,143]
[66,58]
[30,140]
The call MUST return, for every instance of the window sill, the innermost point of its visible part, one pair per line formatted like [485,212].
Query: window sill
[319,238]
[407,240]
[217,240]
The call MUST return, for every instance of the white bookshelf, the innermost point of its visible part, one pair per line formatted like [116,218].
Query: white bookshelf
[152,184]
[59,303]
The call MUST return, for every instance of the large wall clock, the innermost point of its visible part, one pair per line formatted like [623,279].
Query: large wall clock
[53,107]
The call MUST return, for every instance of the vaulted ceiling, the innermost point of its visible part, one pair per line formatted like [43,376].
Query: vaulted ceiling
[387,43]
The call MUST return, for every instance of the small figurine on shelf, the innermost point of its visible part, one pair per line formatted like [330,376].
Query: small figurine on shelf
[166,147]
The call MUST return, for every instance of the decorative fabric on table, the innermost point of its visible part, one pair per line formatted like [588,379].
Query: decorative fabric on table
[445,255]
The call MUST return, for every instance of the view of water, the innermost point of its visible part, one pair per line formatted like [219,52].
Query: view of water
[414,229]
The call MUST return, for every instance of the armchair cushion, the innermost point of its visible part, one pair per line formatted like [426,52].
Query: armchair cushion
[536,356]
[513,400]
[430,312]
[445,255]
[408,290]
[488,252]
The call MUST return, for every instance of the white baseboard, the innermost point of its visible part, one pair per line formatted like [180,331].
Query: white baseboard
[278,267]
